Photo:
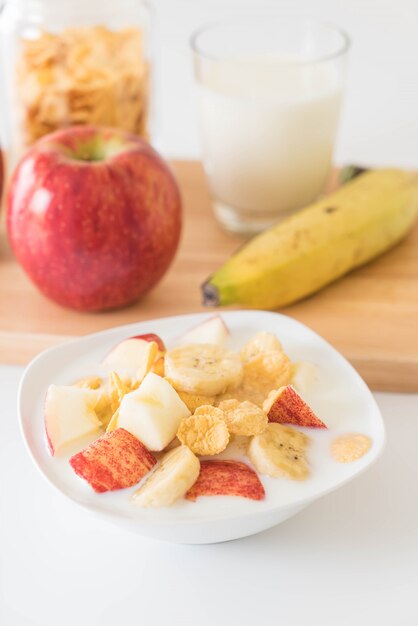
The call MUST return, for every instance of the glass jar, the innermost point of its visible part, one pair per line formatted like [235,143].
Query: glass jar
[67,62]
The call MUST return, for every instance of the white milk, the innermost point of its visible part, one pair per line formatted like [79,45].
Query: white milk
[268,133]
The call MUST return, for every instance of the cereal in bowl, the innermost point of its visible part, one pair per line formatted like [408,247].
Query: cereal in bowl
[181,423]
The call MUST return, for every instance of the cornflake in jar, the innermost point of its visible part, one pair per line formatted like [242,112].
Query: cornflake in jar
[88,75]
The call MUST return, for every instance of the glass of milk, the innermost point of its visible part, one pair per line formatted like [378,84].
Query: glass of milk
[269,95]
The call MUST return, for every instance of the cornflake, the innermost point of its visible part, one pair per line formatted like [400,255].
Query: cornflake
[349,448]
[265,366]
[243,418]
[205,432]
[107,408]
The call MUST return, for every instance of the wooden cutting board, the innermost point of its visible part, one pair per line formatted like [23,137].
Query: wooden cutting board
[371,316]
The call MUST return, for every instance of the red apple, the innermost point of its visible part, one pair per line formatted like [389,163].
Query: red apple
[93,216]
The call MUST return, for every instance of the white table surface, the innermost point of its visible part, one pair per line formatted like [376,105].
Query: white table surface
[352,557]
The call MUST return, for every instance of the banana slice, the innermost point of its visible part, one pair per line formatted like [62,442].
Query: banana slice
[177,472]
[203,369]
[280,452]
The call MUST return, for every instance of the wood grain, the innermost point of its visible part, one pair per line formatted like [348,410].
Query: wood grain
[371,316]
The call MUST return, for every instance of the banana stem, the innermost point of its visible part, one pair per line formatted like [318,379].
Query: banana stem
[351,171]
[210,295]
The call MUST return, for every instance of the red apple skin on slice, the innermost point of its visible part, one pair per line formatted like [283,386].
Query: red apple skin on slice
[226,478]
[114,461]
[285,406]
[152,337]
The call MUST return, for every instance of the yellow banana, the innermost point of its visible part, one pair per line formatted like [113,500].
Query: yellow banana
[317,245]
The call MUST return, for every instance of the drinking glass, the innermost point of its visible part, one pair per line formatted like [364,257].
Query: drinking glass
[269,93]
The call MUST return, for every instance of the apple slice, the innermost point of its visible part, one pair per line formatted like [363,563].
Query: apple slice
[153,412]
[213,330]
[226,478]
[69,415]
[114,461]
[152,337]
[134,357]
[285,406]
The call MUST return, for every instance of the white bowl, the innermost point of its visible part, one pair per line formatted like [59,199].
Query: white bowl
[339,396]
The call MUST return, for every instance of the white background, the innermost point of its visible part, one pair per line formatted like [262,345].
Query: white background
[351,558]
